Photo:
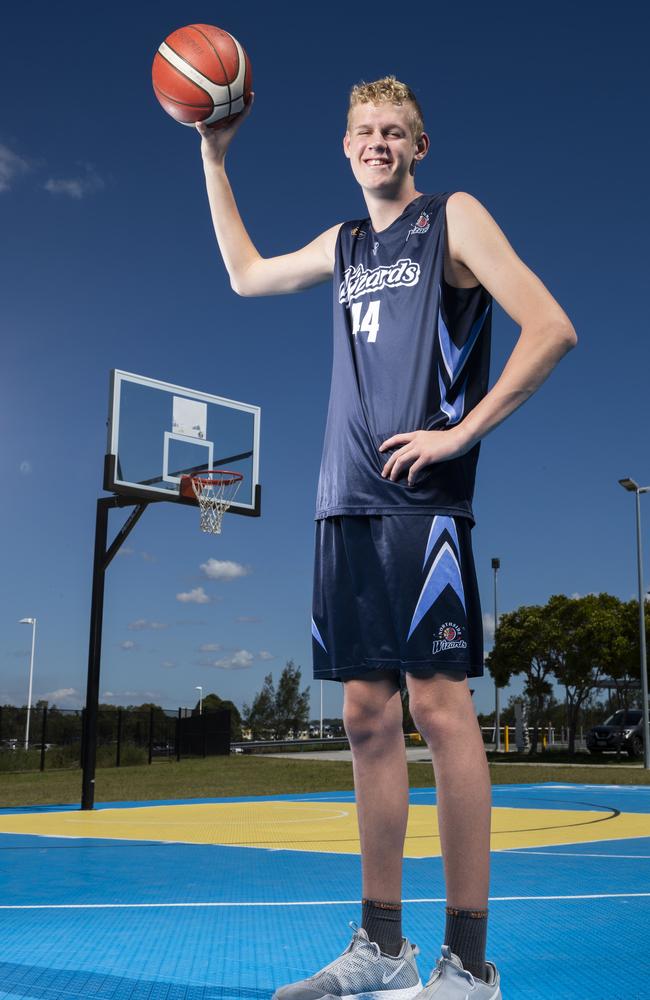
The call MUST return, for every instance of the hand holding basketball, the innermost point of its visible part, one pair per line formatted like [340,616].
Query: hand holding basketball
[215,139]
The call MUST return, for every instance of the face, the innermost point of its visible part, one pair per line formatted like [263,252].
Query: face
[380,146]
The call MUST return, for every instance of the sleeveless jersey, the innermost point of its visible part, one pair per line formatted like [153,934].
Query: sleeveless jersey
[410,353]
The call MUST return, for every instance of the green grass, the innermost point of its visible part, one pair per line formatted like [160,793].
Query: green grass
[215,777]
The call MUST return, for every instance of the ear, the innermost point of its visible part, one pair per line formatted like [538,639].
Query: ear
[346,144]
[422,146]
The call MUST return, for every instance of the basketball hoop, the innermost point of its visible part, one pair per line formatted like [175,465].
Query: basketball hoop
[215,490]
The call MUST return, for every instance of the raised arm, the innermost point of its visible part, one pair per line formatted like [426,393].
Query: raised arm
[250,273]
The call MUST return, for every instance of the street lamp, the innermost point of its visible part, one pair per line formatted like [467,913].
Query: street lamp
[632,487]
[496,564]
[32,622]
[200,690]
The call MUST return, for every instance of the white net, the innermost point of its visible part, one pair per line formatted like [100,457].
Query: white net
[215,491]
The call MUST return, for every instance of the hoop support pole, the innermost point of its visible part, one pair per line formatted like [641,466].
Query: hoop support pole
[101,559]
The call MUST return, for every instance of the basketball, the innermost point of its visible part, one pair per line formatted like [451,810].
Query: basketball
[202,74]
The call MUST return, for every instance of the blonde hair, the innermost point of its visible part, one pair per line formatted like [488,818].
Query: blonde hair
[389,90]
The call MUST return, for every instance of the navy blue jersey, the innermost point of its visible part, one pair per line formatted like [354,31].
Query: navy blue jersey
[410,353]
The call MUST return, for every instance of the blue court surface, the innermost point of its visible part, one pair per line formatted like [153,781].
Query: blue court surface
[230,898]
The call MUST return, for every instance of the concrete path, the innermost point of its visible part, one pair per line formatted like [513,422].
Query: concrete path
[415,755]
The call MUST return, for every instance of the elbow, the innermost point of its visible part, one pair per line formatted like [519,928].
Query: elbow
[569,337]
[237,287]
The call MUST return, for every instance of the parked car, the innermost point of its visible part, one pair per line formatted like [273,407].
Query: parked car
[622,731]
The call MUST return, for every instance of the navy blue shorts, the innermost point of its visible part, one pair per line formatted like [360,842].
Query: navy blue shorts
[395,592]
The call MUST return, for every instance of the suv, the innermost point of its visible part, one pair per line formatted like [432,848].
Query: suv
[622,731]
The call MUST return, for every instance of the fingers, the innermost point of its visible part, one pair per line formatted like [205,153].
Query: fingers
[205,131]
[396,440]
[415,468]
[397,463]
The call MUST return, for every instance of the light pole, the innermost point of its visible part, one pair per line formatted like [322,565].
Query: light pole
[632,487]
[321,709]
[200,690]
[32,622]
[496,564]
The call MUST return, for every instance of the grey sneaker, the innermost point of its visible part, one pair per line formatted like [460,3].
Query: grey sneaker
[450,981]
[362,972]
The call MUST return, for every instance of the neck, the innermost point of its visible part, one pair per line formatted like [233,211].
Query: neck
[384,208]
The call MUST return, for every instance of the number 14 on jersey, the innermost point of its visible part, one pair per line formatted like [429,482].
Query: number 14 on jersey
[370,322]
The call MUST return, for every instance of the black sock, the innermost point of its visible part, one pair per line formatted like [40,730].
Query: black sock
[382,922]
[465,933]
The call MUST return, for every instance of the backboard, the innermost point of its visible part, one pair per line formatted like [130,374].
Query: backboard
[158,432]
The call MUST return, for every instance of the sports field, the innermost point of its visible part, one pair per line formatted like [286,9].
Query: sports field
[193,897]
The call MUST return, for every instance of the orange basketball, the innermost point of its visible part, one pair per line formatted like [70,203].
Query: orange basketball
[202,74]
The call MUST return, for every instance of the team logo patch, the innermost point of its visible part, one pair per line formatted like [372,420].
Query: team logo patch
[450,636]
[358,232]
[421,225]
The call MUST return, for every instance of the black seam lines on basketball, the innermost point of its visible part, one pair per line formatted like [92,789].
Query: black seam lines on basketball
[225,75]
[184,104]
[174,99]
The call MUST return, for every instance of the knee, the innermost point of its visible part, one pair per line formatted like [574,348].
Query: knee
[365,720]
[438,724]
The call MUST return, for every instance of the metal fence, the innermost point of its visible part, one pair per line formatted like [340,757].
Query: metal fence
[49,738]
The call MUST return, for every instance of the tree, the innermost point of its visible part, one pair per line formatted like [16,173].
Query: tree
[291,706]
[260,717]
[593,646]
[626,664]
[526,643]
[213,703]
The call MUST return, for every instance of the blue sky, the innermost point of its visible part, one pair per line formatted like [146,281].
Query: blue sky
[108,261]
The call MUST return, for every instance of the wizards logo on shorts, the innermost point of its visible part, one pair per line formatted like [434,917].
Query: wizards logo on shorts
[450,636]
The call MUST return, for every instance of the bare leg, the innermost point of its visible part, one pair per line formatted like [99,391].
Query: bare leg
[442,710]
[372,714]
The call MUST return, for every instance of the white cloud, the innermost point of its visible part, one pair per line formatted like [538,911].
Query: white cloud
[127,644]
[135,695]
[488,626]
[11,166]
[238,661]
[247,618]
[195,596]
[125,551]
[25,467]
[142,623]
[210,647]
[217,569]
[76,187]
[148,557]
[265,655]
[168,664]
[61,694]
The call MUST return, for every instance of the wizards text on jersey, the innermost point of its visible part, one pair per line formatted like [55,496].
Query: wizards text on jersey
[359,281]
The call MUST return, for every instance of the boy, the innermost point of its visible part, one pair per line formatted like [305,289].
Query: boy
[395,594]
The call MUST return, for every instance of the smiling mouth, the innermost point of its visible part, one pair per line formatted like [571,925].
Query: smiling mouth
[377,163]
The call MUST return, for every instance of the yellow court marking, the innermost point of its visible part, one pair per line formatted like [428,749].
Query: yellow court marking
[317,826]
